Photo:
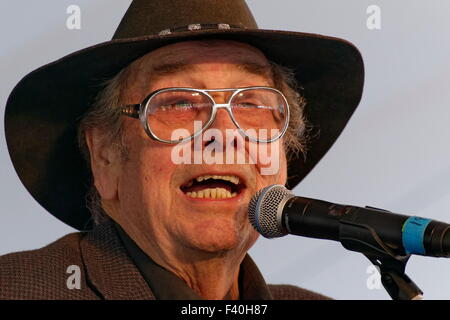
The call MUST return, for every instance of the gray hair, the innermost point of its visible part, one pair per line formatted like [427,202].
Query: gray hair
[105,115]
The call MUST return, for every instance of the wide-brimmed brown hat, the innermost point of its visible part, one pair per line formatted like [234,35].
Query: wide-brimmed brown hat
[43,110]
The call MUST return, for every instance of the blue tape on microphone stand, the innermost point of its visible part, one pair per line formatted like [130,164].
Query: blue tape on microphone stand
[413,231]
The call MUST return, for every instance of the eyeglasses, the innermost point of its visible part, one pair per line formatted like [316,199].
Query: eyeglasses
[174,115]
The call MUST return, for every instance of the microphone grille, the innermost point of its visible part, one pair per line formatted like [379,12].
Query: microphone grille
[264,210]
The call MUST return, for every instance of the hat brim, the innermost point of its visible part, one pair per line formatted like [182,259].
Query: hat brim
[43,110]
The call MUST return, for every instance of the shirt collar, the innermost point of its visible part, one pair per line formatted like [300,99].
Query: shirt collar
[167,286]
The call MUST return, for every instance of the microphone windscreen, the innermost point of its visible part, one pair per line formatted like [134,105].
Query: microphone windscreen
[265,210]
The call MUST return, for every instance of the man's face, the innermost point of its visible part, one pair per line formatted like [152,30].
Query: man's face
[148,195]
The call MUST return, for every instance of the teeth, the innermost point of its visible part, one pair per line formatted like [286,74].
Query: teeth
[212,193]
[232,179]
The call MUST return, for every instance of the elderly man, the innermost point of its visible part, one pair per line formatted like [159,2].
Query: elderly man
[184,77]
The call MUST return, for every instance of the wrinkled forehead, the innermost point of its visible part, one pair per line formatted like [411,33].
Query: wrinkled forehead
[206,51]
[187,55]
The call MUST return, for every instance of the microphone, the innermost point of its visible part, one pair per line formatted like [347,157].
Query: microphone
[275,211]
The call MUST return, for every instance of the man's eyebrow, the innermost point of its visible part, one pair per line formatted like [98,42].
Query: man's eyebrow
[171,68]
[256,68]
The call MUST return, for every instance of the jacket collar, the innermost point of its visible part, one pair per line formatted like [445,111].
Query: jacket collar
[109,270]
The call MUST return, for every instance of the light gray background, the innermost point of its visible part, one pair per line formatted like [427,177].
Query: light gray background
[394,153]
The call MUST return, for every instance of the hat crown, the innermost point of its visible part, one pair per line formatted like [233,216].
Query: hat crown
[150,17]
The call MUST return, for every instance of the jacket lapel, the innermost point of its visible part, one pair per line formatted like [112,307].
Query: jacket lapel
[109,270]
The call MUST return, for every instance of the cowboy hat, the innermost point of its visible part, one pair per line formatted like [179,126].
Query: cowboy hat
[43,110]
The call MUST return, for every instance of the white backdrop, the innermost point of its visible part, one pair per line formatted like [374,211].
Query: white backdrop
[394,153]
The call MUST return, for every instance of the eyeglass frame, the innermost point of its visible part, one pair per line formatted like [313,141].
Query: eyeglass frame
[139,111]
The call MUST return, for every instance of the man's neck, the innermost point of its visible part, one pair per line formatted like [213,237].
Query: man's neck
[213,277]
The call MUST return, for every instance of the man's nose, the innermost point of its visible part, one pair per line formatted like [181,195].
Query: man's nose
[221,133]
[222,121]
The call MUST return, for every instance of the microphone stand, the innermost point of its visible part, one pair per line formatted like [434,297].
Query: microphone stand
[358,236]
[393,277]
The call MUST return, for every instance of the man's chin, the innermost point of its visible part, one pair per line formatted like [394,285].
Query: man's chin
[218,238]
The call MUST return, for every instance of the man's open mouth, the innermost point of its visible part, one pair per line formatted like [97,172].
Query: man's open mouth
[213,187]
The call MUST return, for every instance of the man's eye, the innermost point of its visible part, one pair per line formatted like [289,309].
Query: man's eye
[245,105]
[253,106]
[177,106]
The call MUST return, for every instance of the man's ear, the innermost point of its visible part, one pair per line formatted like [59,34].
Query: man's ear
[283,176]
[105,162]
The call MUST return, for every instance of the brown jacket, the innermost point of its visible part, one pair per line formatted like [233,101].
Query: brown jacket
[107,272]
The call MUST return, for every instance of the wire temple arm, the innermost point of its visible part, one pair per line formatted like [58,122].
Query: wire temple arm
[131,110]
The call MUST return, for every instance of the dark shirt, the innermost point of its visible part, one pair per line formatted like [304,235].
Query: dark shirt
[167,286]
